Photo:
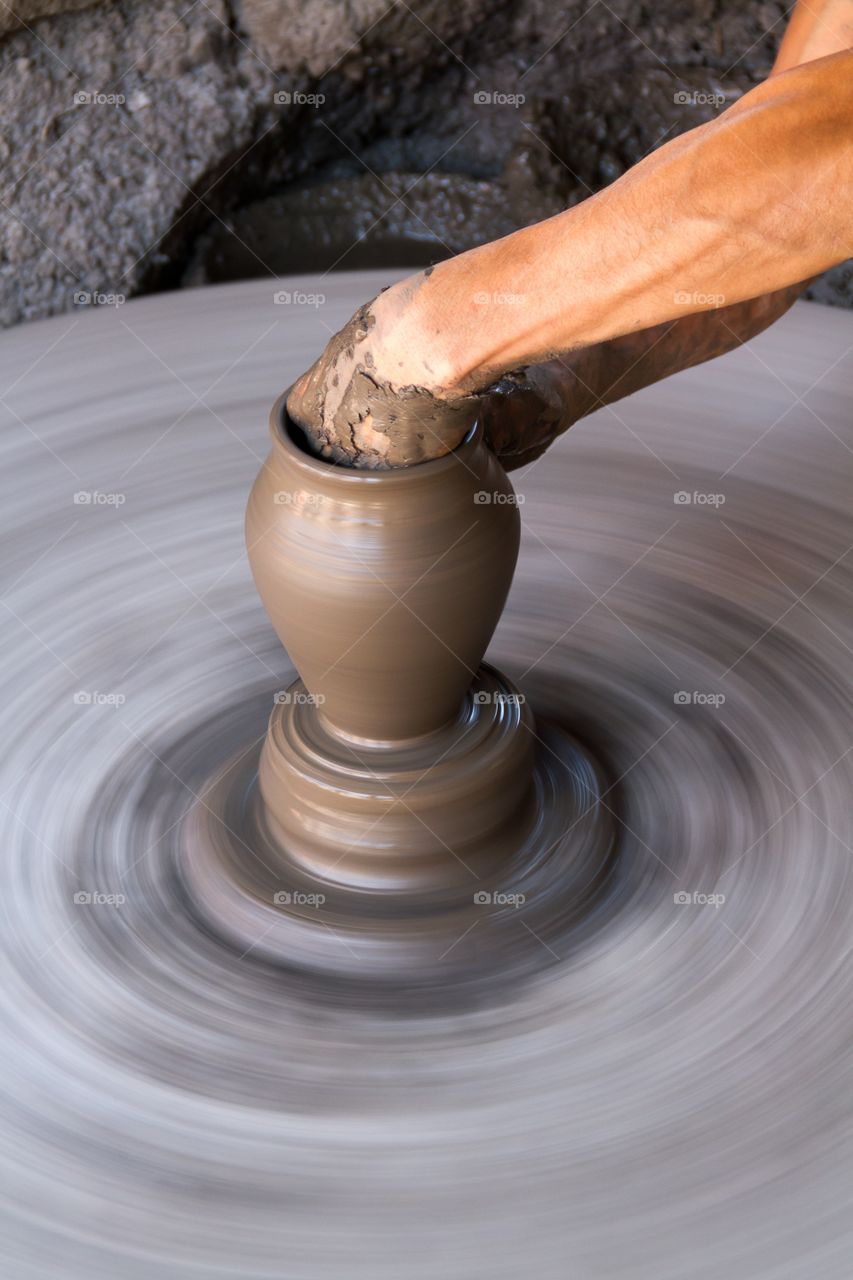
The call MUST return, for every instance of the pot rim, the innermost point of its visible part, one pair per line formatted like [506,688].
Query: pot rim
[282,438]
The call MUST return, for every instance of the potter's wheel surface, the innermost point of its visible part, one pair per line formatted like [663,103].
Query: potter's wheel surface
[669,1094]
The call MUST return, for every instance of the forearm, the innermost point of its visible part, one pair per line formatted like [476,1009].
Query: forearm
[817,29]
[753,202]
[599,375]
[692,252]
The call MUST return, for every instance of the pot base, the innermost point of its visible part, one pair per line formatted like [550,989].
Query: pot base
[427,815]
[524,899]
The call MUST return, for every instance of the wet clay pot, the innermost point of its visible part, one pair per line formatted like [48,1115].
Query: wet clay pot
[405,810]
[398,769]
[384,586]
[395,762]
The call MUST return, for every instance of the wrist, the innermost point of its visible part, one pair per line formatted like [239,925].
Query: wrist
[414,340]
[459,326]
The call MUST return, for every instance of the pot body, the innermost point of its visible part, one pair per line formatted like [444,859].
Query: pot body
[384,586]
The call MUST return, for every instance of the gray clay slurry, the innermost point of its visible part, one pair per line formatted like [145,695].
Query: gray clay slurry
[657,1088]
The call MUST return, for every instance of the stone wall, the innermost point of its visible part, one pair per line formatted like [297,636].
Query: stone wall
[146,146]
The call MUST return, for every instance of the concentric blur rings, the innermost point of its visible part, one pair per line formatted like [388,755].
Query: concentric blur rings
[668,1094]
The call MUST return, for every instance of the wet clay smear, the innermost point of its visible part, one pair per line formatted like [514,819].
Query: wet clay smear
[356,418]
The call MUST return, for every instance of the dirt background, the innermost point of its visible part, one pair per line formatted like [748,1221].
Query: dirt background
[147,147]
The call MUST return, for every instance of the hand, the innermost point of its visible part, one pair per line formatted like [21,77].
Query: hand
[380,395]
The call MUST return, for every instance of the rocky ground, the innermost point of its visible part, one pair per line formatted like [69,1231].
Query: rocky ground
[145,147]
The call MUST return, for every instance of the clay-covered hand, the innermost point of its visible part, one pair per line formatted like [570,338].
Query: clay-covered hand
[377,397]
[383,394]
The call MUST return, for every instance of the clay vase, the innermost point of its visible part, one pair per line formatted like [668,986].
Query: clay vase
[384,586]
[396,761]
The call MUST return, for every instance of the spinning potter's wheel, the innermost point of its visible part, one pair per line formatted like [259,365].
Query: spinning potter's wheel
[651,1087]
